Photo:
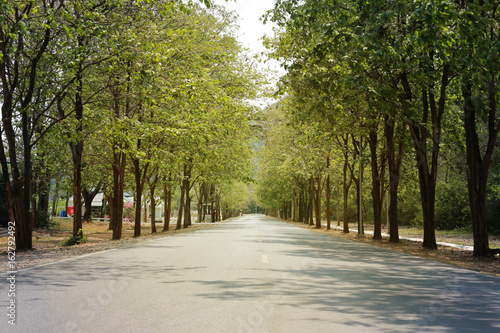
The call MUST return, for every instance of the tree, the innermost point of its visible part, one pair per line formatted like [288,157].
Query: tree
[479,45]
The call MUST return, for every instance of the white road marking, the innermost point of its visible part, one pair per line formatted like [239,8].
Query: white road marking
[265,259]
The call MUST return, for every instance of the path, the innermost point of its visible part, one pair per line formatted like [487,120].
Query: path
[251,275]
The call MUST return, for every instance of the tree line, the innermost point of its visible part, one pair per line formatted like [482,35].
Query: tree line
[123,96]
[405,89]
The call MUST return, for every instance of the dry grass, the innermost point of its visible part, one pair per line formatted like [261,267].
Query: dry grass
[47,243]
[444,254]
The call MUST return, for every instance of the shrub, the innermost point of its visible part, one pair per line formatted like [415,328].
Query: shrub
[45,222]
[129,211]
[79,238]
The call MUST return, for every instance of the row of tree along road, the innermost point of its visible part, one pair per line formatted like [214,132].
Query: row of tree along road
[114,96]
[368,81]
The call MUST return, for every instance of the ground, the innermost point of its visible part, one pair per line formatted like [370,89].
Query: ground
[47,244]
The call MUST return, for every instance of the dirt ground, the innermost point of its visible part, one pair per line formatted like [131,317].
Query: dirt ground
[449,255]
[47,243]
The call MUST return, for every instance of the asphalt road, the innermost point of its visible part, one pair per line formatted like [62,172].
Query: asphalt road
[251,275]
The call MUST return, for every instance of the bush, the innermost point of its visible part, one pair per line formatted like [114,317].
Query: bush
[129,211]
[452,204]
[45,222]
[80,238]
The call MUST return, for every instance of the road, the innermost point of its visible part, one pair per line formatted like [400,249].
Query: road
[254,274]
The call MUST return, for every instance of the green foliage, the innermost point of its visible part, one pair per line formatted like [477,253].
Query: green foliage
[79,238]
[46,222]
[452,208]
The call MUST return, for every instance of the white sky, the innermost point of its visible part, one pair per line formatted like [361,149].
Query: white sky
[251,31]
[251,27]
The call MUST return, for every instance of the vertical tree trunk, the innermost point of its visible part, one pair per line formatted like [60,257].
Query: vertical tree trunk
[319,190]
[376,187]
[138,198]
[8,188]
[394,176]
[187,209]
[56,199]
[181,208]
[478,166]
[328,193]
[311,202]
[103,205]
[168,204]
[339,195]
[77,154]
[33,189]
[346,186]
[27,180]
[201,193]
[361,226]
[187,187]
[119,162]
[88,197]
[428,176]
[153,207]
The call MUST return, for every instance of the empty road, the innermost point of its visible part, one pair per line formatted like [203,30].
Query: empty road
[253,274]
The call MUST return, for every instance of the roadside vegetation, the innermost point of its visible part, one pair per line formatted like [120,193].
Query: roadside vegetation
[388,115]
[149,99]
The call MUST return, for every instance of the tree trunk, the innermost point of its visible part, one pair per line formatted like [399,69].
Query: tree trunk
[8,188]
[394,176]
[77,154]
[328,200]
[478,166]
[311,202]
[14,87]
[168,205]
[319,189]
[33,204]
[55,201]
[26,192]
[153,208]
[187,188]
[339,194]
[181,208]
[119,161]
[346,186]
[428,176]
[88,197]
[138,198]
[187,209]
[103,206]
[201,194]
[376,187]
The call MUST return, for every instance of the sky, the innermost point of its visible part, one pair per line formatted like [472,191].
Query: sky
[251,27]
[251,31]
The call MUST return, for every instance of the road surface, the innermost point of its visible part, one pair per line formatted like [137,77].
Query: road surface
[254,274]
